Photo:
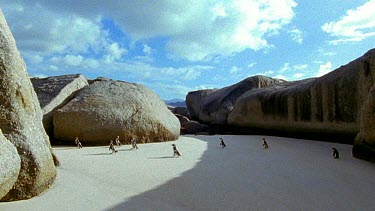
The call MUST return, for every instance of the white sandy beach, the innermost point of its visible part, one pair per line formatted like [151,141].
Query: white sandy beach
[291,175]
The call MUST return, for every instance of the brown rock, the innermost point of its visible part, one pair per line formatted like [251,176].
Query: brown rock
[364,145]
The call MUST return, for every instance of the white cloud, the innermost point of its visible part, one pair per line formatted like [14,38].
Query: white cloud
[147,50]
[287,67]
[73,60]
[184,73]
[114,52]
[234,69]
[53,68]
[298,75]
[35,59]
[284,68]
[47,32]
[281,77]
[251,65]
[39,76]
[329,53]
[266,73]
[356,25]
[324,69]
[198,30]
[296,35]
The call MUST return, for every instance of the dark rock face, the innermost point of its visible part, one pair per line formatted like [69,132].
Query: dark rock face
[364,145]
[182,119]
[338,103]
[180,110]
[21,122]
[194,127]
[194,99]
[54,92]
[108,108]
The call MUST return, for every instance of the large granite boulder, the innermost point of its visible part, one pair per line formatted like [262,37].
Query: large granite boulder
[107,108]
[194,99]
[216,106]
[10,164]
[21,121]
[331,104]
[54,92]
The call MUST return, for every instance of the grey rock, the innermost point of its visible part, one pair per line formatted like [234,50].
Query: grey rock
[181,110]
[54,92]
[216,106]
[194,99]
[331,104]
[10,164]
[182,118]
[194,127]
[106,109]
[21,121]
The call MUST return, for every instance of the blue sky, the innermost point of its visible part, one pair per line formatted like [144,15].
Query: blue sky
[174,47]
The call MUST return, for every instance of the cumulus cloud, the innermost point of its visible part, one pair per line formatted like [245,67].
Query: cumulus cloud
[114,52]
[37,29]
[234,69]
[296,35]
[324,69]
[251,65]
[185,73]
[147,50]
[298,75]
[197,30]
[356,25]
[287,72]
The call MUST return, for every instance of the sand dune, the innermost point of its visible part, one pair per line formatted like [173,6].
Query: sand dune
[291,175]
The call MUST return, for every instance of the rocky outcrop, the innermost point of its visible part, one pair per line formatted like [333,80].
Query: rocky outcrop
[194,99]
[10,164]
[180,110]
[182,119]
[330,104]
[54,92]
[107,108]
[364,145]
[194,127]
[21,121]
[216,106]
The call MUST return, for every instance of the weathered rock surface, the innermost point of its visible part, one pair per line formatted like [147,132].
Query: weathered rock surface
[179,110]
[21,121]
[106,109]
[330,104]
[194,127]
[182,119]
[10,164]
[194,99]
[54,92]
[215,107]
[364,145]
